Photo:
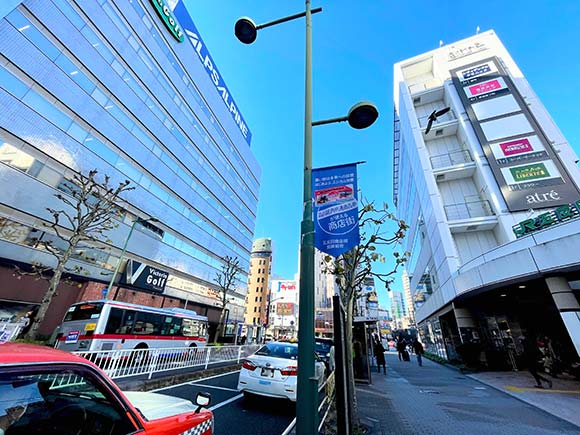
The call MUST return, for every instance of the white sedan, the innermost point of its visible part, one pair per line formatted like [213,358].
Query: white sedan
[273,371]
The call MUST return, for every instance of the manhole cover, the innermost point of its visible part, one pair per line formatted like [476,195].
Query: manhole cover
[428,391]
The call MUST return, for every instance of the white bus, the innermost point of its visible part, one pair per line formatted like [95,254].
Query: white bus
[108,325]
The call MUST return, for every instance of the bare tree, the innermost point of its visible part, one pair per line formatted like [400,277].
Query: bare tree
[89,210]
[225,280]
[352,268]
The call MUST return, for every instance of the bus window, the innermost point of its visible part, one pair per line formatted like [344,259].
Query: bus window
[83,312]
[115,321]
[171,325]
[147,324]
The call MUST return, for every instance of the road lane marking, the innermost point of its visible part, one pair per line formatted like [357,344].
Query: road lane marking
[192,382]
[215,386]
[214,376]
[539,390]
[226,402]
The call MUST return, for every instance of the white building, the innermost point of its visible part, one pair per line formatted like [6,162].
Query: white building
[490,190]
[283,308]
[408,297]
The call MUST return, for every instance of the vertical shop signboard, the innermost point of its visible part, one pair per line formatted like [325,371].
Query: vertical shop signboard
[524,164]
[335,209]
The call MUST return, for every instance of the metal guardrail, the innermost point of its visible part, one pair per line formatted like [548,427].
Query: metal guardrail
[451,159]
[468,210]
[125,363]
[9,331]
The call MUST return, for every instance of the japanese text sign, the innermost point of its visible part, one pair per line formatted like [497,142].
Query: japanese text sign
[335,209]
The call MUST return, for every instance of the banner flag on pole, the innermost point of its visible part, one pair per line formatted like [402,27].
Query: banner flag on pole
[334,190]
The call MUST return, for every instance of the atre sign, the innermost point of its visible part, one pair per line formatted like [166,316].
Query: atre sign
[144,277]
[560,214]
[170,22]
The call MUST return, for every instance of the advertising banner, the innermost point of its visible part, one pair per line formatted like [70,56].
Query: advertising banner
[335,209]
[524,164]
[285,308]
[182,15]
[144,277]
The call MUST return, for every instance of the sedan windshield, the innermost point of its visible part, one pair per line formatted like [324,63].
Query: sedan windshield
[279,350]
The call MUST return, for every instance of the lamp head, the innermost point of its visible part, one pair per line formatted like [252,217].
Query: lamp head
[245,30]
[362,115]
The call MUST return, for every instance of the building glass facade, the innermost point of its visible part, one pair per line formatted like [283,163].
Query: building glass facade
[105,85]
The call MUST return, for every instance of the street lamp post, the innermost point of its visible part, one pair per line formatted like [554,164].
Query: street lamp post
[135,221]
[360,116]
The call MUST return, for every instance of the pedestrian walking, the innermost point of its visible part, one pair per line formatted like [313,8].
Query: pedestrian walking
[532,358]
[243,339]
[379,351]
[401,348]
[418,349]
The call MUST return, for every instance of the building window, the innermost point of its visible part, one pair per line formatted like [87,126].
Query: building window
[260,298]
[255,308]
[256,299]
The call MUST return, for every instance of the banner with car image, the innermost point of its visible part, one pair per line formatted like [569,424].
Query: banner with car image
[335,209]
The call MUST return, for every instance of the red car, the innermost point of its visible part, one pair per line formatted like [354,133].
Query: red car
[51,392]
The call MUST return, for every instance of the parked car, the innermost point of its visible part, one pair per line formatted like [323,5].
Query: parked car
[324,348]
[273,371]
[52,392]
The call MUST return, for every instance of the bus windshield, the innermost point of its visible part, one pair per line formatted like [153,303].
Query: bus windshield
[84,312]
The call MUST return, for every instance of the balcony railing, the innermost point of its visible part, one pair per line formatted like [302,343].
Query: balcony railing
[451,159]
[468,210]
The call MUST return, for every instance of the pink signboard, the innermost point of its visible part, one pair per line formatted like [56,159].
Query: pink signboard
[519,146]
[485,87]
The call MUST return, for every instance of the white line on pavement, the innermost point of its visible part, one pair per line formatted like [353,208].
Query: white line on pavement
[215,386]
[215,376]
[192,382]
[226,402]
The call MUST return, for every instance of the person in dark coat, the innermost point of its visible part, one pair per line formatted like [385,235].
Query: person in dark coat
[418,349]
[379,352]
[401,346]
[532,357]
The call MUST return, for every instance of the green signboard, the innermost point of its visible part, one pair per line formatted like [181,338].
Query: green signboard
[170,22]
[561,214]
[529,172]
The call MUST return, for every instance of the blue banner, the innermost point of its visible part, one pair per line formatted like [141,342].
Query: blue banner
[180,12]
[334,191]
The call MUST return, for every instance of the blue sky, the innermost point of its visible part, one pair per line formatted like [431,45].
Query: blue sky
[355,44]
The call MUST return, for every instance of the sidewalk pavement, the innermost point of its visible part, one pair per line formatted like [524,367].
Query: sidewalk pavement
[436,399]
[562,400]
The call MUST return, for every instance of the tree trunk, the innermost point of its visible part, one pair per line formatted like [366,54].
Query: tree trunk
[350,367]
[32,333]
[220,326]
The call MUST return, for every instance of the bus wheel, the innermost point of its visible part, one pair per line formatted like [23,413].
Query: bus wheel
[191,352]
[140,356]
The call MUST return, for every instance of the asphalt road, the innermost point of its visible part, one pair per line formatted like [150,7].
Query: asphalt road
[233,414]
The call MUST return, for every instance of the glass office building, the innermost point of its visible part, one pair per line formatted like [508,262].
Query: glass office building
[127,88]
[490,189]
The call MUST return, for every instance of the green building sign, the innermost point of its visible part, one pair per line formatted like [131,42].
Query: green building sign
[529,172]
[561,214]
[170,22]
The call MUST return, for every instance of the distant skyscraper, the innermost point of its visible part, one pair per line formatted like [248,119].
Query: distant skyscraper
[408,297]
